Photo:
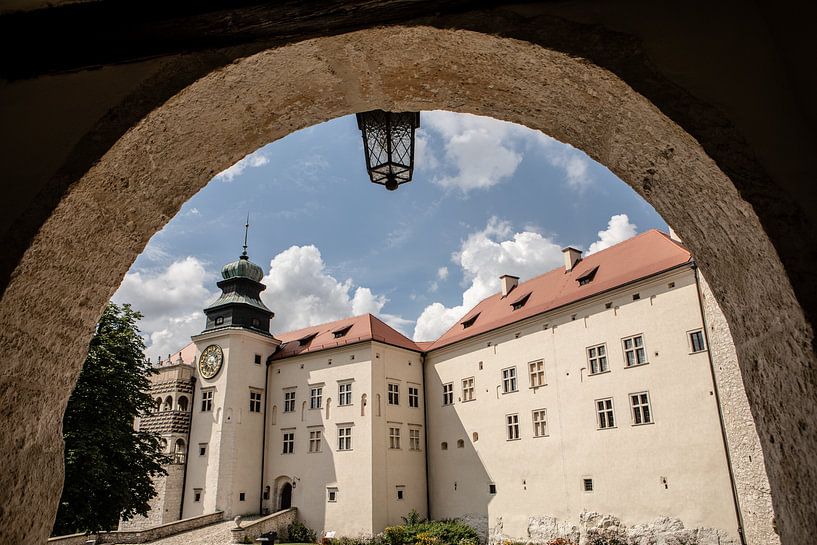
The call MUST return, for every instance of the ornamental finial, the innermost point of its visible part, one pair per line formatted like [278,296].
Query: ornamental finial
[246,231]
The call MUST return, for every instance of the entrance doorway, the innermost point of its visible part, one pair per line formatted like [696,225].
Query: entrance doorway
[286,497]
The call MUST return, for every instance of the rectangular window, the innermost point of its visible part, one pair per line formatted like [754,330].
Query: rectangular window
[696,341]
[401,492]
[448,393]
[345,438]
[202,449]
[640,402]
[316,397]
[258,359]
[289,442]
[414,439]
[512,423]
[242,496]
[468,389]
[332,495]
[414,397]
[197,494]
[540,424]
[509,380]
[345,393]
[604,412]
[206,400]
[394,438]
[597,358]
[394,394]
[587,484]
[255,402]
[289,401]
[315,441]
[536,370]
[634,351]
[491,488]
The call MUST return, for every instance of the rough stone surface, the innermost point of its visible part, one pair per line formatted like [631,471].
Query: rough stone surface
[479,523]
[754,493]
[107,217]
[276,522]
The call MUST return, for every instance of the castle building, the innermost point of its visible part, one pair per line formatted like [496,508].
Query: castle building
[588,388]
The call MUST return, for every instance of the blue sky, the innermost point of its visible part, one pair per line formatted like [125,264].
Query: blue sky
[488,198]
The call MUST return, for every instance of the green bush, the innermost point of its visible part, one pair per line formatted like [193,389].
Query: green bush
[298,533]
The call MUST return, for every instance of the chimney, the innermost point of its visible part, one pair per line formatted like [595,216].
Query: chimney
[508,283]
[674,236]
[572,256]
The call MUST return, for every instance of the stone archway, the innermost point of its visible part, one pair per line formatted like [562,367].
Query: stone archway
[107,217]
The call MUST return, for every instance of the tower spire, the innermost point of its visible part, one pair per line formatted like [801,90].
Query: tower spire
[246,230]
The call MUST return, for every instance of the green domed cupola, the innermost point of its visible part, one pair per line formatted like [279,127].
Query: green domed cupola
[239,304]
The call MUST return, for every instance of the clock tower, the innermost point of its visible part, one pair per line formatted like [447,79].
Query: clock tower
[224,469]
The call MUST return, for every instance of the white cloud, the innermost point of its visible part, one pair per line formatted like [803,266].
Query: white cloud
[442,273]
[573,162]
[484,256]
[171,300]
[302,293]
[476,149]
[253,160]
[618,230]
[497,250]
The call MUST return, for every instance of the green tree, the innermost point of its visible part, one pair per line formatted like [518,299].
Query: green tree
[108,464]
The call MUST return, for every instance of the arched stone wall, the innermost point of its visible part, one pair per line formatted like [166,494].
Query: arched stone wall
[107,217]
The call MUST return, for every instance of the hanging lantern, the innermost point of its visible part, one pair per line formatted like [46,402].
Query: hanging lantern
[388,141]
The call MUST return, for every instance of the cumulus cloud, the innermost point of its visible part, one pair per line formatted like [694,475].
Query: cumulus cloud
[442,273]
[483,257]
[496,250]
[302,293]
[573,162]
[253,160]
[171,300]
[476,150]
[618,230]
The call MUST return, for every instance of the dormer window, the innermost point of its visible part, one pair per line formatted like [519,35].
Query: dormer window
[588,276]
[303,341]
[220,320]
[519,303]
[470,321]
[338,333]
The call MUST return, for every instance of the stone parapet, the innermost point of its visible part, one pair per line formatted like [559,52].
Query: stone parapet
[164,422]
[276,522]
[148,534]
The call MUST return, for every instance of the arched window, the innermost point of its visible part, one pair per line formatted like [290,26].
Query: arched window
[178,452]
[475,437]
[460,443]
[163,444]
[328,405]
[168,406]
[444,445]
[363,405]
[158,404]
[181,404]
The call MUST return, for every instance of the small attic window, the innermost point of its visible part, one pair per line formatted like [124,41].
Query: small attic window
[519,303]
[587,277]
[338,333]
[470,321]
[303,341]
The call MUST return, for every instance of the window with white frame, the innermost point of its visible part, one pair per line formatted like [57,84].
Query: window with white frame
[509,380]
[634,351]
[414,396]
[332,495]
[536,371]
[289,442]
[604,413]
[289,401]
[414,439]
[255,402]
[316,397]
[540,424]
[512,425]
[696,341]
[315,440]
[393,394]
[468,389]
[597,358]
[640,403]
[448,393]
[394,438]
[344,438]
[345,393]
[206,400]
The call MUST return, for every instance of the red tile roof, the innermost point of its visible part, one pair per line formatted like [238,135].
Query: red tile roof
[647,254]
[365,327]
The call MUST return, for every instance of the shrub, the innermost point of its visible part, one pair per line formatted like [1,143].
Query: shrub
[298,533]
[412,518]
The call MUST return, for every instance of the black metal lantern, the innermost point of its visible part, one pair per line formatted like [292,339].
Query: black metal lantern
[388,141]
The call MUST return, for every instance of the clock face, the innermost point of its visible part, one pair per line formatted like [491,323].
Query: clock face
[210,361]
